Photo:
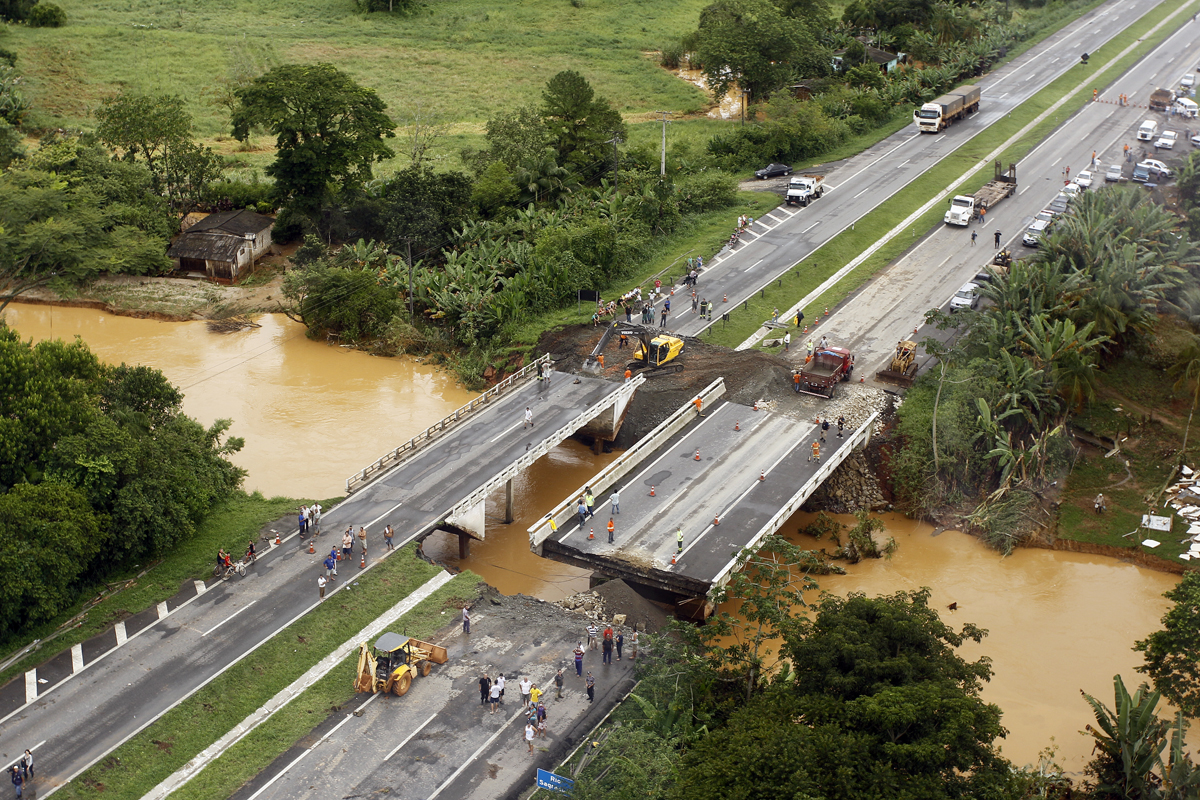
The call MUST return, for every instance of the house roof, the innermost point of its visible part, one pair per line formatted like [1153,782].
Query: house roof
[879,56]
[236,223]
[206,246]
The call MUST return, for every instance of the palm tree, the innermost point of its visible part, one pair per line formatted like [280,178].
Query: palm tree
[1186,371]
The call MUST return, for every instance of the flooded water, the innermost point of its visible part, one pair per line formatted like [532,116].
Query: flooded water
[312,414]
[1057,623]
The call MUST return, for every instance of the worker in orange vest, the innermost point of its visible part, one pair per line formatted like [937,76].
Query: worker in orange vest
[611,527]
[697,402]
[628,375]
[816,451]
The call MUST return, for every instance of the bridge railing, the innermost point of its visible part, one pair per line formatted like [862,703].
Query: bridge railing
[413,445]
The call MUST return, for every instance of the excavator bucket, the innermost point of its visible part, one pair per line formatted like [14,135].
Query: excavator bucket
[364,680]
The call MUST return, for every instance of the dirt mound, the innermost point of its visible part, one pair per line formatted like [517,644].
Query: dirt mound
[620,598]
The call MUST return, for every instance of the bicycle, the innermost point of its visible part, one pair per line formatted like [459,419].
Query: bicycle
[250,557]
[224,572]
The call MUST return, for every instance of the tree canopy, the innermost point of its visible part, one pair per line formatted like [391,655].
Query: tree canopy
[1173,653]
[580,125]
[328,129]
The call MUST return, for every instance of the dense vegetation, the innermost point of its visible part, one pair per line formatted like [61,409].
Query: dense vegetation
[99,469]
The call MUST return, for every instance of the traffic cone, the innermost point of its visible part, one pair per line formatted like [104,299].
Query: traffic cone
[806,329]
[737,426]
[339,556]
[860,380]
[725,298]
[652,490]
[762,475]
[697,454]
[716,520]
[827,311]
[915,327]
[756,405]
[311,549]
[672,291]
[363,564]
[672,561]
[277,540]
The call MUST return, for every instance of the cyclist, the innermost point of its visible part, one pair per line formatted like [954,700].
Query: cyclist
[223,562]
[251,556]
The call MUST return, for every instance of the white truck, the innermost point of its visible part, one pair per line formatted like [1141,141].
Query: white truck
[963,208]
[936,116]
[803,189]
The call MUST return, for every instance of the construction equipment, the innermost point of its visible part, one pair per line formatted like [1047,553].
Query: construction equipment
[654,353]
[903,369]
[820,374]
[393,663]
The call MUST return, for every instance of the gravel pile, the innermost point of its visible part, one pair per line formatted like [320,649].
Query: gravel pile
[617,603]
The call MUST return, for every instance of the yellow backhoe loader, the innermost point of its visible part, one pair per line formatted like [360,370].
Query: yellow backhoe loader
[903,369]
[393,663]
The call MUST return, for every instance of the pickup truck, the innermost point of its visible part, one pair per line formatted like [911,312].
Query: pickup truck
[963,209]
[820,375]
[937,115]
[803,189]
[1166,140]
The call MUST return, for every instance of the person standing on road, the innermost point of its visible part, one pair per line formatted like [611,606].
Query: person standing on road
[796,381]
[606,657]
[528,418]
[787,341]
[347,544]
[578,660]
[615,500]
[633,645]
[388,533]
[301,520]
[18,782]
[592,632]
[662,321]
[466,620]
[330,565]
[816,452]
[581,509]
[525,686]
[824,427]
[678,540]
[321,581]
[316,519]
[974,236]
[841,424]
[997,235]
[558,682]
[618,641]
[494,696]
[485,687]
[27,764]
[500,683]
[529,732]
[591,687]
[810,348]
[590,499]
[611,528]
[535,695]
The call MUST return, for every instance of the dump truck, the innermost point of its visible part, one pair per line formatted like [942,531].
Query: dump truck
[937,115]
[1161,99]
[820,374]
[655,354]
[963,209]
[803,189]
[394,662]
[903,369]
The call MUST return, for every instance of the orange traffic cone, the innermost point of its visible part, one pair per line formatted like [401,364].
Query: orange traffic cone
[672,291]
[756,405]
[277,541]
[591,533]
[652,490]
[697,454]
[363,564]
[311,549]
[860,380]
[915,330]
[762,475]
[737,426]
[672,561]
[827,311]
[805,329]
[725,298]
[339,556]
[716,520]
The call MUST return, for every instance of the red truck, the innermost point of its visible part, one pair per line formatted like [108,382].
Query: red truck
[820,375]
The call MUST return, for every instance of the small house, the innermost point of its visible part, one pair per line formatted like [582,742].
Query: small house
[223,246]
[887,62]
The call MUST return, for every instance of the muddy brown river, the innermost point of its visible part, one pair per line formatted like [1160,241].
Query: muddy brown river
[312,414]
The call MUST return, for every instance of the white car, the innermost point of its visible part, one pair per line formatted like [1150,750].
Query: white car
[1033,234]
[1084,178]
[1188,81]
[1114,173]
[966,297]
[1158,165]
[1196,140]
[1071,190]
[1167,140]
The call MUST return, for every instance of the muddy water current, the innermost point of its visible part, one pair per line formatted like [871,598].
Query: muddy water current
[312,414]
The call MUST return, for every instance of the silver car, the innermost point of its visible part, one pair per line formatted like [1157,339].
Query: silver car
[1114,173]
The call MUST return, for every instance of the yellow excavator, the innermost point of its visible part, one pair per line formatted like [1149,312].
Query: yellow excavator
[903,369]
[393,663]
[654,354]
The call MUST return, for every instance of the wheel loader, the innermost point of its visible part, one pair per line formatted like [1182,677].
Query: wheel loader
[393,663]
[654,354]
[903,369]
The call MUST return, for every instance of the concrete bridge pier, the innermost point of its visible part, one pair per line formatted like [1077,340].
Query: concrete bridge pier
[607,424]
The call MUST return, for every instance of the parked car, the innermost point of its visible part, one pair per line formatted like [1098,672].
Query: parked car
[1188,80]
[1045,214]
[1141,173]
[1085,178]
[966,297]
[1114,173]
[1033,234]
[1196,140]
[1071,190]
[1155,164]
[1059,205]
[773,171]
[1166,140]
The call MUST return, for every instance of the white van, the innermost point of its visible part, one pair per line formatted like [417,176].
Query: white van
[1148,130]
[1185,107]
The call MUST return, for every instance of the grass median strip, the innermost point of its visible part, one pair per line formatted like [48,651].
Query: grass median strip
[809,273]
[168,744]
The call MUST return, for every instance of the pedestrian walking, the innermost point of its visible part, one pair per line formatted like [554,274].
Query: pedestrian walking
[485,687]
[816,452]
[388,534]
[611,528]
[27,764]
[974,236]
[500,683]
[528,418]
[841,424]
[526,686]
[591,687]
[618,641]
[997,235]
[606,657]
[558,682]
[633,642]
[678,540]
[592,633]
[19,783]
[466,620]
[494,697]
[615,500]
[529,733]
[590,499]
[321,581]
[581,509]
[578,661]
[824,427]
[787,341]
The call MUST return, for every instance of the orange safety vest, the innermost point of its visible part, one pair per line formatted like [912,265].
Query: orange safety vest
[610,526]
[816,449]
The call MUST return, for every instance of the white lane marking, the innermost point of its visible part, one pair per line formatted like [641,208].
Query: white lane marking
[864,191]
[384,514]
[902,163]
[1023,190]
[297,759]
[18,758]
[31,685]
[408,738]
[231,616]
[755,264]
[1055,161]
[771,214]
[474,755]
[505,431]
[810,227]
[200,589]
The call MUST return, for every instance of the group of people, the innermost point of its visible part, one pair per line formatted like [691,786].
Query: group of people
[331,561]
[22,772]
[310,519]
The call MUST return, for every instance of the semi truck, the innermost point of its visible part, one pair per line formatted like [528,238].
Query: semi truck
[803,189]
[937,115]
[963,209]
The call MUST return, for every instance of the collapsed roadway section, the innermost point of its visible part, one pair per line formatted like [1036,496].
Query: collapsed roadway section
[726,475]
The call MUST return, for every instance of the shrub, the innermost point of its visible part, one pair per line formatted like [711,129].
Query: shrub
[671,56]
[706,191]
[46,15]
[239,194]
[290,225]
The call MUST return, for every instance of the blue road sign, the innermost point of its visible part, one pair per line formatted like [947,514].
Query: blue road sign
[548,780]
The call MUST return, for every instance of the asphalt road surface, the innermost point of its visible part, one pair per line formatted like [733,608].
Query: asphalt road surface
[780,239]
[886,310]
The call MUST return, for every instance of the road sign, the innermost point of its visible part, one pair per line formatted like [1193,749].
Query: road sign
[548,780]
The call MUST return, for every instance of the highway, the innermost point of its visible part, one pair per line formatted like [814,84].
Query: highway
[780,239]
[887,308]
[92,701]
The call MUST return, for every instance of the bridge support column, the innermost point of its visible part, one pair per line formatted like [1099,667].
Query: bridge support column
[464,545]
[508,503]
[470,520]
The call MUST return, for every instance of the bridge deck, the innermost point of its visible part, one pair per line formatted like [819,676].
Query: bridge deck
[690,494]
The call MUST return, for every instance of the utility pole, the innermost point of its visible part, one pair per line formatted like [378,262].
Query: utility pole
[744,93]
[408,253]
[663,168]
[614,141]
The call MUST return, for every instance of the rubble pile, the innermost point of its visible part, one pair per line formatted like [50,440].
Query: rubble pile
[851,487]
[1184,497]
